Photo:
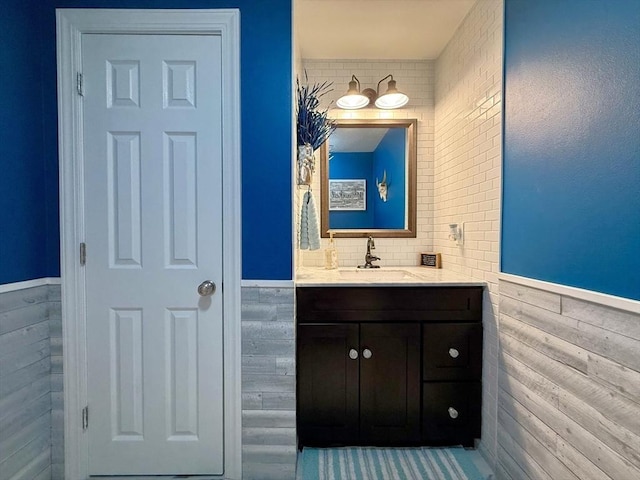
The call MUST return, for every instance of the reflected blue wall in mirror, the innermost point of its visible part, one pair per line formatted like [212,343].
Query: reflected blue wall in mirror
[375,139]
[355,166]
[389,155]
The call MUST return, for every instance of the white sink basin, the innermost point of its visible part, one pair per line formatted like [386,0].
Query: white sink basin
[377,274]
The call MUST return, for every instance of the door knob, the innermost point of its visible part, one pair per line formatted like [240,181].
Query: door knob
[453,353]
[353,354]
[453,413]
[206,288]
[366,353]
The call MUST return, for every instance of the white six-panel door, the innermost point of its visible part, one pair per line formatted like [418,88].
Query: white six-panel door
[153,226]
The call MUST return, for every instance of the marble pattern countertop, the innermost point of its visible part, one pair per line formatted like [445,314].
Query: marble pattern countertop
[382,277]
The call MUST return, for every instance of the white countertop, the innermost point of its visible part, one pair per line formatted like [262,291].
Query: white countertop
[382,277]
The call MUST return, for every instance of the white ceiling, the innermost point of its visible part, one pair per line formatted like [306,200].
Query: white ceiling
[376,29]
[360,140]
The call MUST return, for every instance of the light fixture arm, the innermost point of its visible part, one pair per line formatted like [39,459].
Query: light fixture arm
[378,87]
[353,99]
[354,79]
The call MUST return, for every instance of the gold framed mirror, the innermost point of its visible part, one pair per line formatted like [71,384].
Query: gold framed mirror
[368,179]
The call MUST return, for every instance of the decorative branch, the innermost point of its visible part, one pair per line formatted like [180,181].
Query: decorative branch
[313,127]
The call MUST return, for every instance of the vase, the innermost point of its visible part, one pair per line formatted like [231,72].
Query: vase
[306,164]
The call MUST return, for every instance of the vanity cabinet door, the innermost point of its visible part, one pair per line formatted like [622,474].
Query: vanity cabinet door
[328,381]
[389,383]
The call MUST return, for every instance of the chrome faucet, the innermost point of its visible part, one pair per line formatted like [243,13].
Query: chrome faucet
[368,258]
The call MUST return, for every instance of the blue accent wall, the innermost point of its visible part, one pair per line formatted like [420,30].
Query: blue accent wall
[390,155]
[29,243]
[23,203]
[571,180]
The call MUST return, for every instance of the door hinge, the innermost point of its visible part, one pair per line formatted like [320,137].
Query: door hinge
[83,253]
[79,84]
[85,418]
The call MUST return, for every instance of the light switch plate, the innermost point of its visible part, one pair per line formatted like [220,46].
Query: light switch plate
[460,240]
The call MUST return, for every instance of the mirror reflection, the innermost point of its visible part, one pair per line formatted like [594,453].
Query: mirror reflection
[368,179]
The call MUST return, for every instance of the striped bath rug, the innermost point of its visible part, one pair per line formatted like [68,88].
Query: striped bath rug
[360,463]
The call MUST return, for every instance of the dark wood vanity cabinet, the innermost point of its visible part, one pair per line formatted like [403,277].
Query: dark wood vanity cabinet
[388,365]
[359,383]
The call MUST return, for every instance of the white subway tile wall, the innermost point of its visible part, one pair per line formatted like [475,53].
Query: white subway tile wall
[298,73]
[467,174]
[416,79]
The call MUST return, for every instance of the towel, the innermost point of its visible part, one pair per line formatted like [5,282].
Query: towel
[309,230]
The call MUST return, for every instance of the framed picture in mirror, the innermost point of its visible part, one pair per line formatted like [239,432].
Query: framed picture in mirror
[347,194]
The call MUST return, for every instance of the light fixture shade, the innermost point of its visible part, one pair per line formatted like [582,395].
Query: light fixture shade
[392,98]
[353,99]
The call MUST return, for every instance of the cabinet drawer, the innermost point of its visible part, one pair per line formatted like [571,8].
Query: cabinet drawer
[375,304]
[451,413]
[452,351]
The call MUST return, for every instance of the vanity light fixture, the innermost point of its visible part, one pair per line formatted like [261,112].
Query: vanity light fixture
[392,98]
[354,99]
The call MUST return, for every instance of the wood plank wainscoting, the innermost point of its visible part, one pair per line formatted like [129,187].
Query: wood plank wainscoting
[31,430]
[268,381]
[569,387]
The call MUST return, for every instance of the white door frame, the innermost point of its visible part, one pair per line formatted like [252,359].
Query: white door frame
[71,24]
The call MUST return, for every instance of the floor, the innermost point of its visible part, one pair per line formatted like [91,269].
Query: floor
[469,465]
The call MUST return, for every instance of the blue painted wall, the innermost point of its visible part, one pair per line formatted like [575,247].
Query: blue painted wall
[23,203]
[355,165]
[29,239]
[390,155]
[571,196]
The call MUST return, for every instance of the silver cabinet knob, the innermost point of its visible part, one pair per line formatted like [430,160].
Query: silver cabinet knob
[206,288]
[366,353]
[353,354]
[453,413]
[454,353]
